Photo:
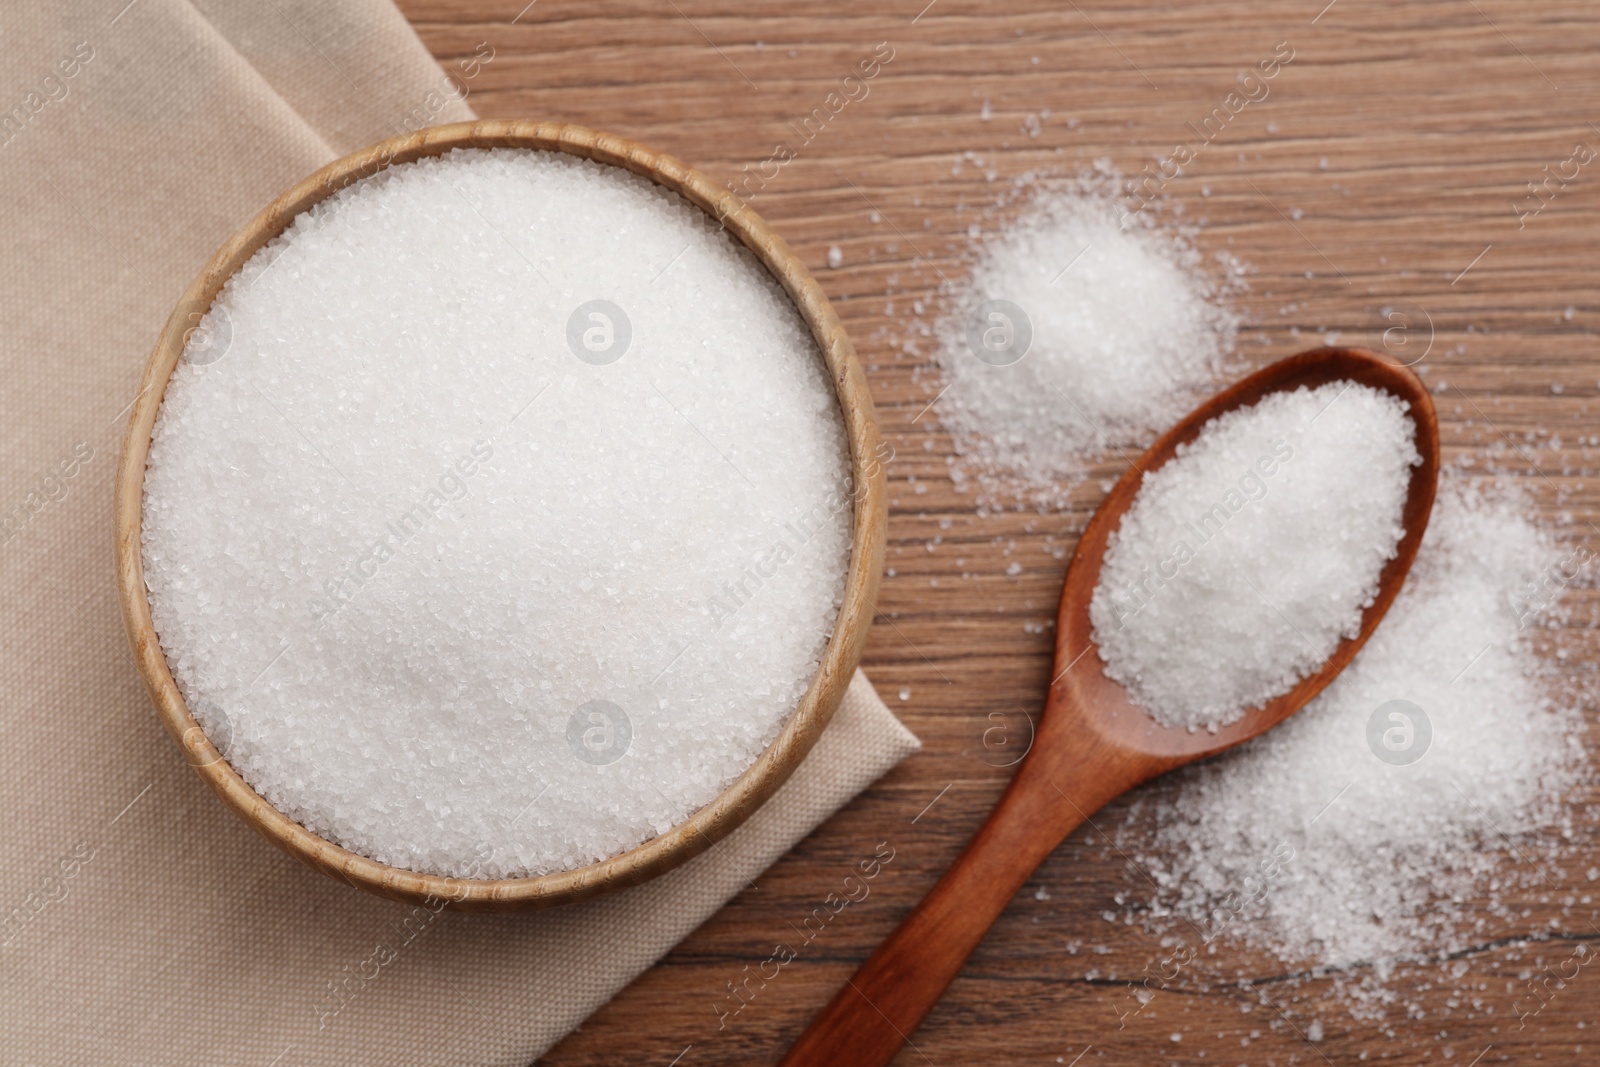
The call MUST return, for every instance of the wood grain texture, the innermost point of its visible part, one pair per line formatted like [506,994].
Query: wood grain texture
[1385,167]
[821,699]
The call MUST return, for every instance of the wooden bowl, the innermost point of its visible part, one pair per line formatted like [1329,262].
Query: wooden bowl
[712,822]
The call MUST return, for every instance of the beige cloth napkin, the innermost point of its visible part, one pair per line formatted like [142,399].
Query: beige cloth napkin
[140,922]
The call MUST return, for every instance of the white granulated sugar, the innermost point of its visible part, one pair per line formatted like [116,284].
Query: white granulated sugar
[453,596]
[1127,333]
[1248,556]
[1382,852]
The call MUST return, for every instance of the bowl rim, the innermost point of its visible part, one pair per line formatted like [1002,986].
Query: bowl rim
[840,658]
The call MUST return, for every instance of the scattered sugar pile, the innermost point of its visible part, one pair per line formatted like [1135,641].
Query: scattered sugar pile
[1390,822]
[1085,330]
[1251,554]
[498,515]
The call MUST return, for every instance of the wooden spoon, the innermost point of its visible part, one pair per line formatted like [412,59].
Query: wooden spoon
[1093,743]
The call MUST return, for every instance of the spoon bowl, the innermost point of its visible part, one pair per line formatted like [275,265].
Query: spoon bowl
[1093,742]
[1117,720]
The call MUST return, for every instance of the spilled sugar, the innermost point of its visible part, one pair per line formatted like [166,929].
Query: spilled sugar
[1376,862]
[1247,557]
[1127,334]
[470,580]
[1392,826]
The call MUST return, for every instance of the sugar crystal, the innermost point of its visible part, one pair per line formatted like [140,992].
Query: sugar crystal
[498,514]
[1248,556]
[1114,332]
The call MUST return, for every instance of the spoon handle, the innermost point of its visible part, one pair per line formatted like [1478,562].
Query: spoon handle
[878,1009]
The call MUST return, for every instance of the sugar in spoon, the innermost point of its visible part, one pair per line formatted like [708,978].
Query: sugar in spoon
[1093,743]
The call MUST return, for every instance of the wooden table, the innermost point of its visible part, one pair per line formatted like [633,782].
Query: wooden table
[1388,165]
